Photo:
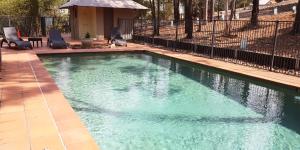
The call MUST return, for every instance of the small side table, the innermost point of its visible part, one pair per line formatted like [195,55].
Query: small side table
[37,40]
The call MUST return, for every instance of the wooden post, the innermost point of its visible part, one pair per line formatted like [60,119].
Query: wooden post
[274,45]
[213,39]
[176,35]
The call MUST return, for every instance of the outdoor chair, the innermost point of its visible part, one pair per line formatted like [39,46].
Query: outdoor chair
[55,40]
[11,37]
[116,37]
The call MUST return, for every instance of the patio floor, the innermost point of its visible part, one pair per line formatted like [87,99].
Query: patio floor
[35,115]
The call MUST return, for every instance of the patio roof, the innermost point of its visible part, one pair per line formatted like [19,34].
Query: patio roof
[129,4]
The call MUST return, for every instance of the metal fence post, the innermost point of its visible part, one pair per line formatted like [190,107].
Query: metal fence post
[176,35]
[133,30]
[213,39]
[143,30]
[274,45]
[297,64]
[9,21]
[141,24]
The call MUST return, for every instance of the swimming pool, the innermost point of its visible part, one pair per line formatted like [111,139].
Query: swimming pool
[146,101]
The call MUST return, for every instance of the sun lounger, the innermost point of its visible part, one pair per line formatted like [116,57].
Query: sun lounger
[55,40]
[116,38]
[11,37]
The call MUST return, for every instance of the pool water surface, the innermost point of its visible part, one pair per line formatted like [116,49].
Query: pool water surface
[144,101]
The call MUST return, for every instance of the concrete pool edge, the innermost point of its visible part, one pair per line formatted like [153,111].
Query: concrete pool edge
[72,131]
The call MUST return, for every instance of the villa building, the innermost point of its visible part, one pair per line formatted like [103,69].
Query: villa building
[98,17]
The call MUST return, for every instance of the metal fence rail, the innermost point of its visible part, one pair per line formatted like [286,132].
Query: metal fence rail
[268,46]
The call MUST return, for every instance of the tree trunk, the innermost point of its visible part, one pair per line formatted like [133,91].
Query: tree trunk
[232,13]
[255,11]
[153,15]
[186,15]
[34,13]
[176,11]
[158,18]
[212,10]
[226,17]
[218,9]
[232,9]
[296,27]
[200,15]
[226,10]
[189,19]
[206,11]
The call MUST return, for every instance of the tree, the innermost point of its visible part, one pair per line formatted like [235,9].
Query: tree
[158,18]
[255,12]
[176,11]
[155,15]
[199,10]
[188,18]
[25,13]
[212,10]
[232,15]
[296,27]
[226,9]
[38,7]
[206,11]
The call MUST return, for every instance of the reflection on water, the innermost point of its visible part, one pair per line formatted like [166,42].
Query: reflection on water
[275,105]
[115,94]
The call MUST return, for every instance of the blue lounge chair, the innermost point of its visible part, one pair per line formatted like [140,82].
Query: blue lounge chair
[55,40]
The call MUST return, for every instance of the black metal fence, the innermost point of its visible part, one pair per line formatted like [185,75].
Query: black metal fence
[30,26]
[268,46]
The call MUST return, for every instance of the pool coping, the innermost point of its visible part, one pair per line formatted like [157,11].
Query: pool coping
[217,64]
[68,124]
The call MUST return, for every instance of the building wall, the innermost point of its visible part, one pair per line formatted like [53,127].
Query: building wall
[87,21]
[123,14]
[100,23]
[90,19]
[74,22]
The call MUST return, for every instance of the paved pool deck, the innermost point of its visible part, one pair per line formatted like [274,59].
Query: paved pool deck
[34,114]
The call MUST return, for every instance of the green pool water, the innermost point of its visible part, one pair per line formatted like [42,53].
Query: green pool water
[141,101]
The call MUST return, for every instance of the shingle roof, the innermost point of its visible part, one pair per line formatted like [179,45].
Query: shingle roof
[130,4]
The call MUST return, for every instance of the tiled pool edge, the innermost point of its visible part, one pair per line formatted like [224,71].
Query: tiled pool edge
[69,130]
[72,131]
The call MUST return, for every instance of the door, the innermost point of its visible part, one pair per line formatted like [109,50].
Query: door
[108,21]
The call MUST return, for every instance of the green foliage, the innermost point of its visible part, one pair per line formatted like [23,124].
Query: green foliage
[87,35]
[29,7]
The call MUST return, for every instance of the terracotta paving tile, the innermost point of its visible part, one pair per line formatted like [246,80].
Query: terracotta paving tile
[12,121]
[11,106]
[11,88]
[34,104]
[48,142]
[13,131]
[10,96]
[11,144]
[87,145]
